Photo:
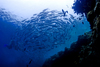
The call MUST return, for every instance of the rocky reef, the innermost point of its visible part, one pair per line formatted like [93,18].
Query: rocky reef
[83,6]
[86,51]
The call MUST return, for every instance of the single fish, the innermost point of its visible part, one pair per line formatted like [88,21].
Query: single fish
[64,12]
[82,22]
[73,25]
[30,61]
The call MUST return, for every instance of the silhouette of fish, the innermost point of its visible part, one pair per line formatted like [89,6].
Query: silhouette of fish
[82,22]
[80,18]
[64,12]
[30,61]
[73,25]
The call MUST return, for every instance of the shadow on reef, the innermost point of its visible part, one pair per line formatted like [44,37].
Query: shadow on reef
[86,51]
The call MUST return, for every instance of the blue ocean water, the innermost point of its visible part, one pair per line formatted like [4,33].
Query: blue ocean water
[29,42]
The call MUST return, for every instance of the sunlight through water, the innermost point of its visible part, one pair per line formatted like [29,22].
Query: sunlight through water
[34,30]
[26,8]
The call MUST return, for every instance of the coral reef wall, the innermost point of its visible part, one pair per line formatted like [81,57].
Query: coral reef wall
[86,51]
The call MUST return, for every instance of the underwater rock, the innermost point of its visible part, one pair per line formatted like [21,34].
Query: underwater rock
[68,57]
[97,8]
[90,17]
